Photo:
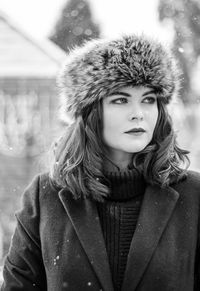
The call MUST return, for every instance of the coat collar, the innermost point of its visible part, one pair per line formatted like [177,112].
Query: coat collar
[156,210]
[85,219]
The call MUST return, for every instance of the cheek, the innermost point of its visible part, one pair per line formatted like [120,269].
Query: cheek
[152,117]
[111,125]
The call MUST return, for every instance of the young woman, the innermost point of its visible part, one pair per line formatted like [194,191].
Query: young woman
[118,210]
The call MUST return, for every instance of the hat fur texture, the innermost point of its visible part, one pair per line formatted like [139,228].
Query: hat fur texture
[100,67]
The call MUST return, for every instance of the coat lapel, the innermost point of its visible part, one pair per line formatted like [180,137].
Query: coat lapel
[156,210]
[85,219]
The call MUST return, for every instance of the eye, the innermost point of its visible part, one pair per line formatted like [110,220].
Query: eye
[121,100]
[149,100]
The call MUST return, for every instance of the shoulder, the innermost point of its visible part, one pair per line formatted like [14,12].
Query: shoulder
[190,184]
[193,178]
[39,199]
[42,183]
[46,184]
[190,177]
[40,190]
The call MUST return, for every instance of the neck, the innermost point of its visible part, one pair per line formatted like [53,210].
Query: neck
[117,163]
[124,185]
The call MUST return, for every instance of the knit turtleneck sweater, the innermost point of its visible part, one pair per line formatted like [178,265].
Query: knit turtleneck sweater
[118,216]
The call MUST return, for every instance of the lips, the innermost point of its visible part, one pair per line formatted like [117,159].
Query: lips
[135,130]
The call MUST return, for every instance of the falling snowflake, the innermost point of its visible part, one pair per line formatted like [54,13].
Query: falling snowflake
[181,50]
[65,284]
[55,260]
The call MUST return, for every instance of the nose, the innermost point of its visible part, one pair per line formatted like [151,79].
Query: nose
[136,113]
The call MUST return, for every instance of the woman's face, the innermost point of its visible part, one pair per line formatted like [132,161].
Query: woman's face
[129,119]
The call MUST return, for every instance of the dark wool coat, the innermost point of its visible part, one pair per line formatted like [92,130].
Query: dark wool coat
[58,243]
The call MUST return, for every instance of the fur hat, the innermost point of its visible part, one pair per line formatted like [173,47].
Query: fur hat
[100,67]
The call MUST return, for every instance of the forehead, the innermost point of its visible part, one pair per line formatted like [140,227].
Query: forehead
[136,89]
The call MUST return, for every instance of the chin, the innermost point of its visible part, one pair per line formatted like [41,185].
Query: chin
[135,150]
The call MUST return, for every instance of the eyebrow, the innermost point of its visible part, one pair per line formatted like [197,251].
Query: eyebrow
[129,95]
[149,92]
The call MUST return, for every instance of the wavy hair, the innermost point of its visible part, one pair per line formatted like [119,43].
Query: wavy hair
[80,152]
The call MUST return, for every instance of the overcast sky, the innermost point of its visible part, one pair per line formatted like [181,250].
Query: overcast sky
[37,17]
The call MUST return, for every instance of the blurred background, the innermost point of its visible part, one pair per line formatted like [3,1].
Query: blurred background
[35,37]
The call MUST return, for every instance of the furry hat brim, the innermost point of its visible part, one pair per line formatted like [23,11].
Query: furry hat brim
[100,67]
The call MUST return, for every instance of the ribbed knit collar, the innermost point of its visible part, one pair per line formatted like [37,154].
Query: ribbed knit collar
[124,185]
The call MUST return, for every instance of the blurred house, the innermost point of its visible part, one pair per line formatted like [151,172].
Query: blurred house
[28,101]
